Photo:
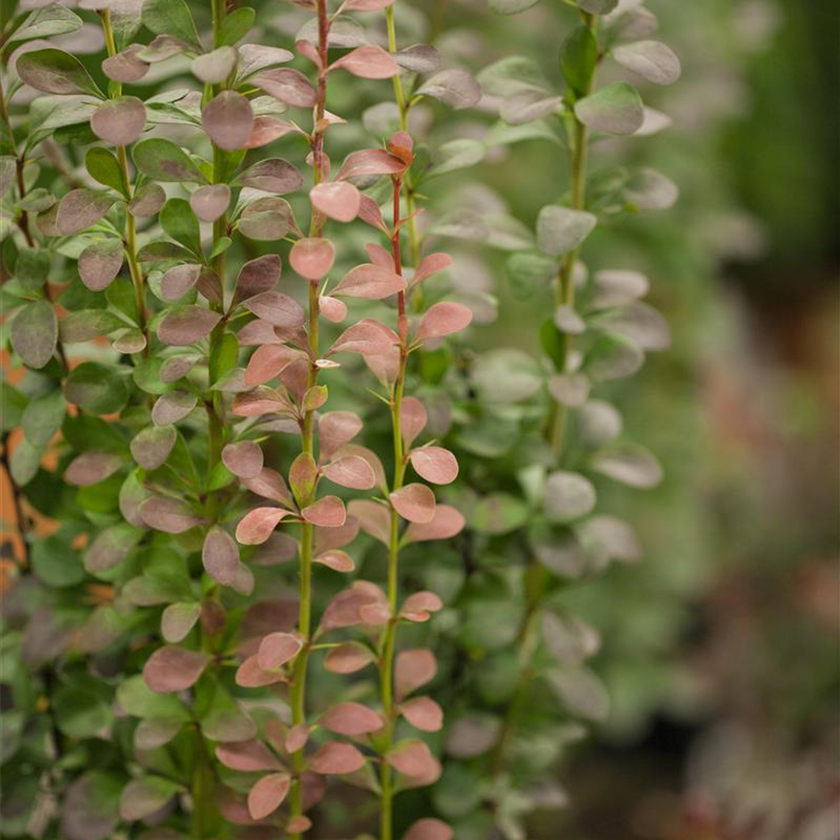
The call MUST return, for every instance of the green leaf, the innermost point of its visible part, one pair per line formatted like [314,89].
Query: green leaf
[32,267]
[87,324]
[80,713]
[143,797]
[652,60]
[51,20]
[456,154]
[616,109]
[162,160]
[568,496]
[629,464]
[43,417]
[171,17]
[55,71]
[236,25]
[178,221]
[12,407]
[561,229]
[598,7]
[553,343]
[97,388]
[104,168]
[26,460]
[55,562]
[511,7]
[137,699]
[223,357]
[91,805]
[529,273]
[578,58]
[34,333]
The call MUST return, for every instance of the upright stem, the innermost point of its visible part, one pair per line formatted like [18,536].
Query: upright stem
[386,663]
[316,226]
[564,289]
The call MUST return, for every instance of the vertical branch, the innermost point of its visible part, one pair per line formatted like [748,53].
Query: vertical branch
[298,689]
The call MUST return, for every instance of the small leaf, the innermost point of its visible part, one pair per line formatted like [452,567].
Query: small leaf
[178,221]
[288,86]
[370,162]
[568,496]
[339,200]
[368,62]
[455,88]
[327,512]
[228,119]
[278,309]
[629,464]
[616,109]
[55,71]
[413,419]
[184,325]
[352,471]
[415,760]
[652,60]
[143,797]
[351,719]
[414,502]
[446,523]
[34,333]
[125,66]
[162,160]
[561,229]
[243,459]
[256,276]
[210,202]
[172,407]
[92,467]
[171,17]
[172,516]
[337,758]
[80,209]
[100,263]
[268,794]
[429,828]
[312,258]
[258,525]
[276,649]
[443,319]
[348,658]
[119,121]
[171,669]
[413,669]
[369,281]
[177,620]
[435,464]
[220,556]
[214,67]
[151,447]
[423,713]
[247,757]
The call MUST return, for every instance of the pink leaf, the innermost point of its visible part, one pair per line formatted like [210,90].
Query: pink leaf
[344,610]
[256,276]
[351,719]
[276,308]
[296,738]
[276,649]
[261,401]
[333,309]
[413,419]
[267,129]
[429,265]
[414,502]
[327,539]
[374,519]
[92,467]
[250,675]
[435,464]
[172,516]
[348,658]
[353,472]
[369,281]
[447,522]
[423,713]
[119,121]
[368,62]
[178,280]
[256,527]
[268,362]
[370,214]
[413,669]
[312,258]
[125,66]
[380,256]
[270,485]
[337,560]
[247,756]
[418,606]
[337,758]
[210,202]
[228,119]
[369,162]
[442,319]
[429,828]
[220,556]
[339,200]
[335,428]
[367,337]
[289,86]
[243,459]
[185,325]
[414,759]
[298,825]
[268,794]
[327,512]
[100,263]
[171,669]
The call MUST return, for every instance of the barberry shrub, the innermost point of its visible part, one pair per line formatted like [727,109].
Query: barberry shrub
[232,373]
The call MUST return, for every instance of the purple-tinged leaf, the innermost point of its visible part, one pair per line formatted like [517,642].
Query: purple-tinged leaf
[374,519]
[172,516]
[327,512]
[178,619]
[296,738]
[368,62]
[119,121]
[55,71]
[171,669]
[178,280]
[151,447]
[173,407]
[369,281]
[337,758]
[250,675]
[414,759]
[414,668]
[370,162]
[288,86]
[276,649]
[214,67]
[442,319]
[312,258]
[423,713]
[184,325]
[351,719]
[80,209]
[447,522]
[337,560]
[455,88]
[228,119]
[335,428]
[429,828]
[370,338]
[147,201]
[339,200]
[414,502]
[210,202]
[429,265]
[220,556]
[352,471]
[273,175]
[435,464]
[243,459]
[92,467]
[257,526]
[145,796]
[278,309]
[332,309]
[261,401]
[348,658]
[100,263]
[419,606]
[413,419]
[247,757]
[257,276]
[267,795]
[255,57]
[268,362]
[344,610]
[266,130]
